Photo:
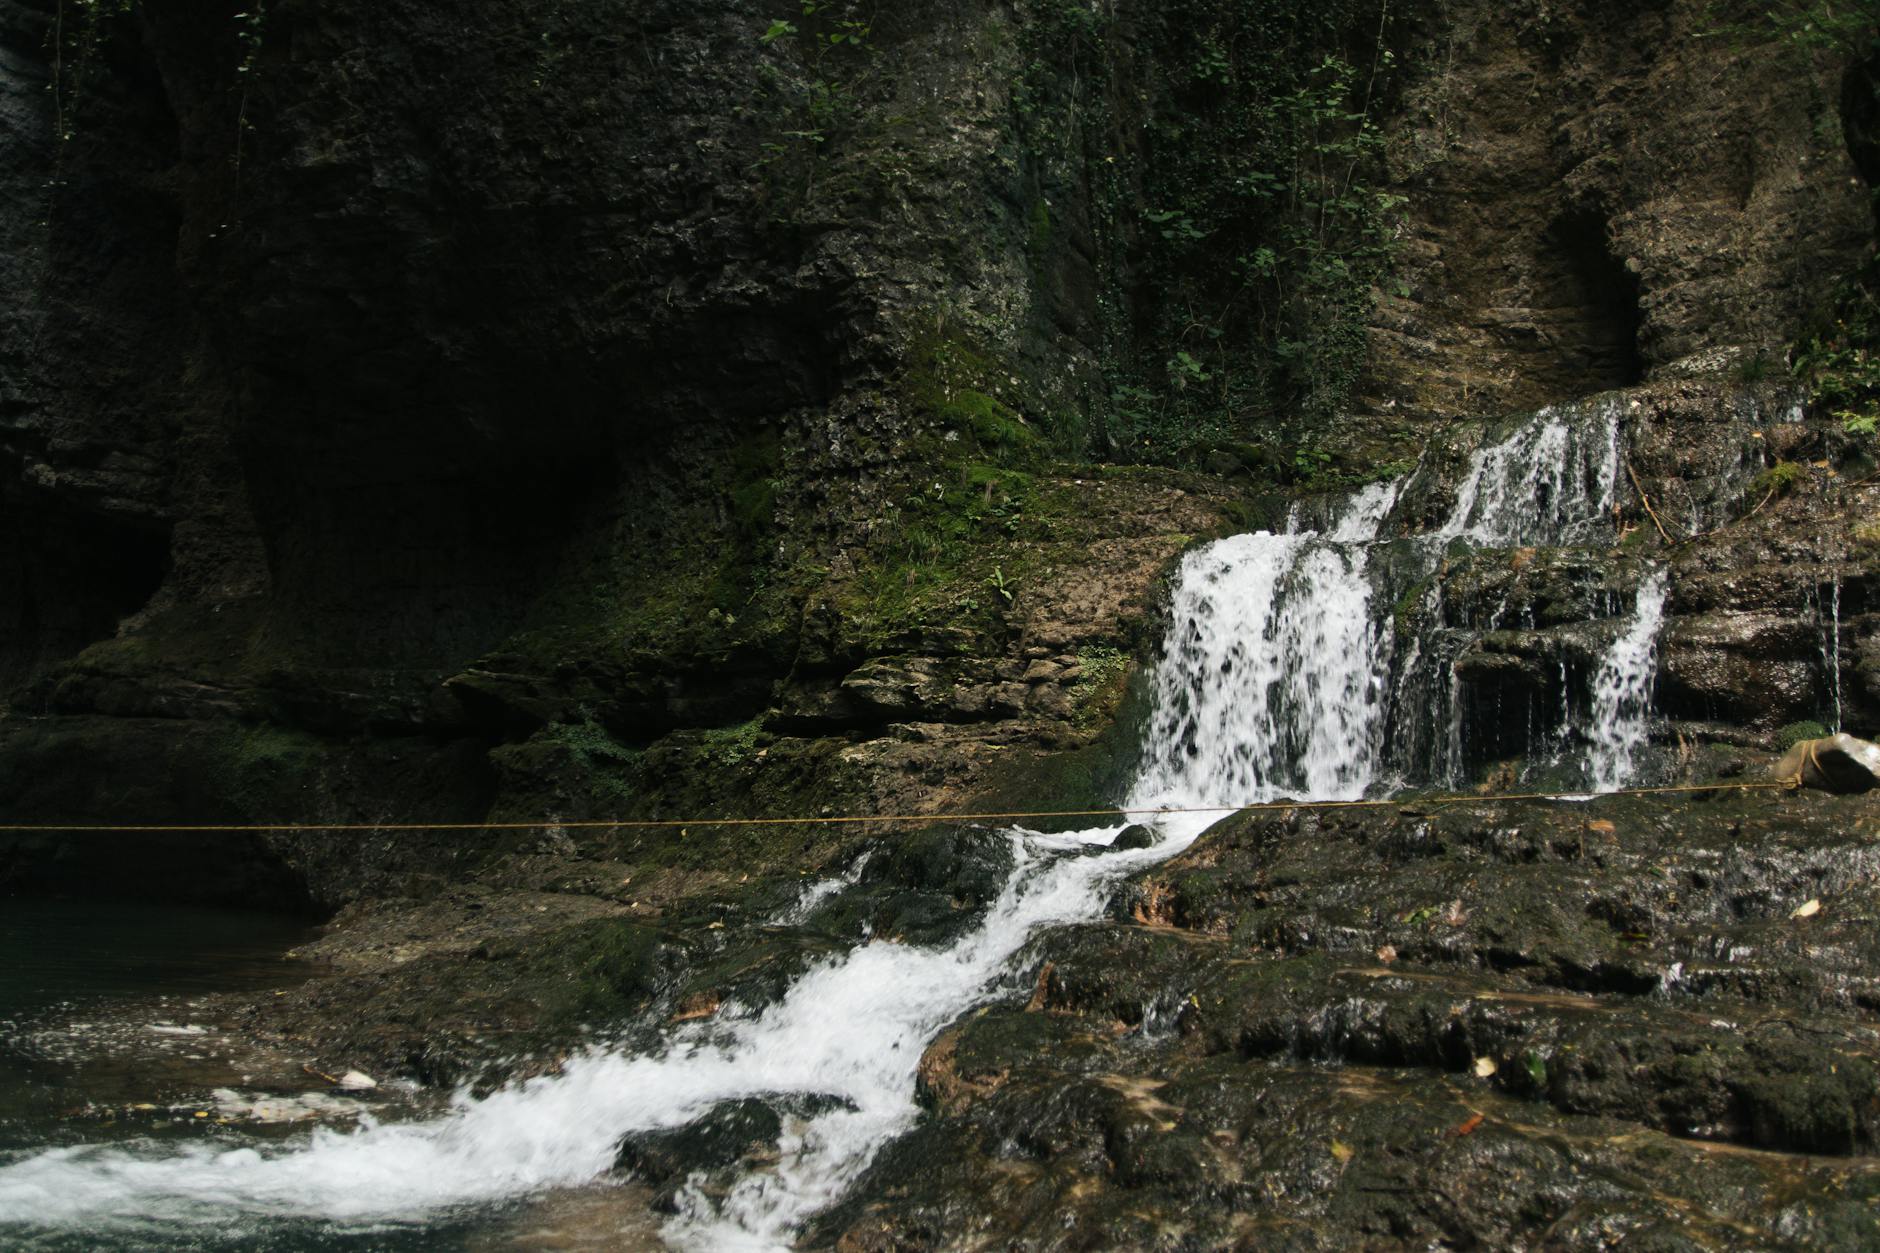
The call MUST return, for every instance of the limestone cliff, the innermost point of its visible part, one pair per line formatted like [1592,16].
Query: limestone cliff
[404,406]
[517,413]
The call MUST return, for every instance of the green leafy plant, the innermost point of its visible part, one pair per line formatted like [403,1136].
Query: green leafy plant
[1779,479]
[1755,368]
[1841,26]
[1838,361]
[1309,463]
[1175,225]
[824,94]
[1257,202]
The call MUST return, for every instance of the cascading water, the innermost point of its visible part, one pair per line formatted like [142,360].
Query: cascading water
[848,1035]
[1828,631]
[1551,482]
[1278,677]
[1276,668]
[1622,690]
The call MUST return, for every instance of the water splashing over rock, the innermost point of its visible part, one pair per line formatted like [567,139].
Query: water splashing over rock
[1622,690]
[1279,676]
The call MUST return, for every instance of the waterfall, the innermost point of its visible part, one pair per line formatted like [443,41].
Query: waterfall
[1294,677]
[1282,674]
[1622,689]
[1829,633]
[1551,482]
[1273,675]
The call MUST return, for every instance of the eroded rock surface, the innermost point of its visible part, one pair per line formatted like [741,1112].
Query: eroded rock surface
[1501,1025]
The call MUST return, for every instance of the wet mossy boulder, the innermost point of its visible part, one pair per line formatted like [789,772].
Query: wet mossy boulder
[709,1152]
[1835,763]
[1134,836]
[925,887]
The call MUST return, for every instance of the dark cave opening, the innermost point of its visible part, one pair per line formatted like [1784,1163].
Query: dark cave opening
[70,575]
[1601,343]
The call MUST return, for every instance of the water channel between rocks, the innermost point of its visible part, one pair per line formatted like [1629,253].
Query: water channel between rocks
[1318,662]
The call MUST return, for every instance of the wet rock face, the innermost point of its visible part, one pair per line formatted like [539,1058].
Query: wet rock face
[477,265]
[1836,763]
[1564,247]
[1428,1024]
[486,377]
[85,491]
[924,888]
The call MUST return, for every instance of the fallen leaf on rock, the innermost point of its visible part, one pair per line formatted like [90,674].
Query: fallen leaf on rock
[1387,953]
[702,1005]
[1468,1125]
[1041,992]
[1343,1152]
[1484,1067]
[1808,909]
[1599,826]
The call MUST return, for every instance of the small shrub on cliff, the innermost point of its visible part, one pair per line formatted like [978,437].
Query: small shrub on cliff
[820,96]
[1779,479]
[1846,26]
[1796,732]
[1250,229]
[1839,359]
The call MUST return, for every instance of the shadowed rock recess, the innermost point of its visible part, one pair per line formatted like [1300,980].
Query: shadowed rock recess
[553,410]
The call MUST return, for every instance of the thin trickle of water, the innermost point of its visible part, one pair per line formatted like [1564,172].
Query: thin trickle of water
[1831,647]
[814,894]
[1622,690]
[1551,482]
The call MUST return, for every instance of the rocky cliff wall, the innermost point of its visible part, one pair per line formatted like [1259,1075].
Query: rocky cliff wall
[502,409]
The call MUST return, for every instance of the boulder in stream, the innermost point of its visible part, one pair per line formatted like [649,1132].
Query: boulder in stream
[1833,763]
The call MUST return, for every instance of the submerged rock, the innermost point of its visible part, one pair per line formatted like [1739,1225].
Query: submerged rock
[1834,763]
[1135,836]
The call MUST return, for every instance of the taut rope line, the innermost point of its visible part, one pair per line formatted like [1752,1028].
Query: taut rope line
[628,824]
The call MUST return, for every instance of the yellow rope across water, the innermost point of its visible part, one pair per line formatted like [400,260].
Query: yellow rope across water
[627,824]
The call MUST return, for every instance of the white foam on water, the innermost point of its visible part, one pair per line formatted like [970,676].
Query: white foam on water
[814,894]
[1271,683]
[850,1032]
[1273,674]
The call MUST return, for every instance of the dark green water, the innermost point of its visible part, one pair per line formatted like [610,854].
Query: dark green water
[106,1038]
[54,951]
[85,988]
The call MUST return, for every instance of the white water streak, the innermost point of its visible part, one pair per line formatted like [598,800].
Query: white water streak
[1271,683]
[1273,671]
[1622,690]
[850,1032]
[814,894]
[1551,482]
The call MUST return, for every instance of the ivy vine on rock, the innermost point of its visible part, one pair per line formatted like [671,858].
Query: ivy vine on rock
[1248,225]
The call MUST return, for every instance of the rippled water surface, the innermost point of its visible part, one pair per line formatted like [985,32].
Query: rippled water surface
[95,997]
